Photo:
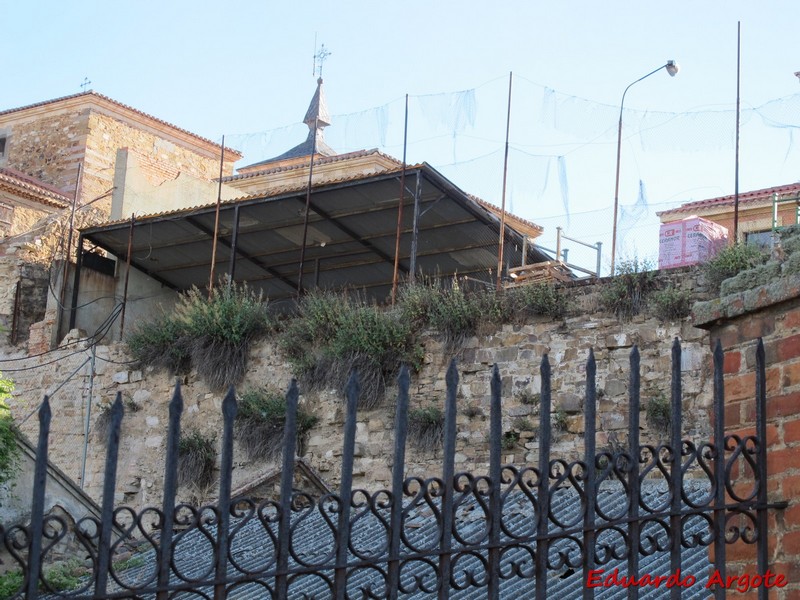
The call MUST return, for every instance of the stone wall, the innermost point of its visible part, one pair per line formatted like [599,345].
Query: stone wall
[516,349]
[50,147]
[164,159]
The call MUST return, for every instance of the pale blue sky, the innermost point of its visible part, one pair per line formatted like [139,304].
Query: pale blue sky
[245,67]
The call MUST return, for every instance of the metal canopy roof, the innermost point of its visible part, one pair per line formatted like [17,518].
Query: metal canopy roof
[350,243]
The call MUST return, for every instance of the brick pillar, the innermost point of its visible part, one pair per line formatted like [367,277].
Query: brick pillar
[773,314]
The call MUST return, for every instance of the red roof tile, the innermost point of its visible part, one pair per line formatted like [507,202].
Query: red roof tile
[744,198]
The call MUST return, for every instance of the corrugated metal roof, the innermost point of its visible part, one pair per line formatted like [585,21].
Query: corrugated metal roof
[253,547]
[351,236]
[756,197]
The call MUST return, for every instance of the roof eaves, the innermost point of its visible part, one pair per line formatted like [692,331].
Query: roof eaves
[33,188]
[284,191]
[117,104]
[753,197]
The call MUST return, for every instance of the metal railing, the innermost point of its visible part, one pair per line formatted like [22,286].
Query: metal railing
[529,531]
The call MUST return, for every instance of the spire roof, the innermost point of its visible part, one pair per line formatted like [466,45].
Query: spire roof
[317,118]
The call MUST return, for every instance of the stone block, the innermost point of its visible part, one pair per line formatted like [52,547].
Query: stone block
[571,403]
[618,340]
[120,377]
[135,376]
[615,387]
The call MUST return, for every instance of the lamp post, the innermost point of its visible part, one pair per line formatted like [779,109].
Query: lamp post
[672,68]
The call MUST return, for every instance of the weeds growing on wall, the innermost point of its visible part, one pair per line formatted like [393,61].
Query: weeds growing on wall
[260,422]
[509,440]
[659,414]
[197,457]
[538,299]
[213,334]
[558,421]
[9,451]
[60,577]
[10,583]
[426,428]
[671,303]
[220,330]
[625,293]
[458,312]
[333,334]
[162,343]
[732,260]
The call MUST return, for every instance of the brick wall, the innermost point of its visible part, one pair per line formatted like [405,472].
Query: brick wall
[772,313]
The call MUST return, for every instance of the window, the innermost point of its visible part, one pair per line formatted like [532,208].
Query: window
[2,146]
[763,239]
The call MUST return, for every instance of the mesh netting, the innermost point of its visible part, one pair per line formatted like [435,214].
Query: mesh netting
[562,153]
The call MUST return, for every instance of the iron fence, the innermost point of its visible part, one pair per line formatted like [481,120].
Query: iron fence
[560,528]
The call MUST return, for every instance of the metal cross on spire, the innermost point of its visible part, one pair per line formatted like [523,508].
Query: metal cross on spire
[86,83]
[320,57]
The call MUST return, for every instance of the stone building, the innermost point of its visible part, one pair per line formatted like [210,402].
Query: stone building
[49,140]
[60,155]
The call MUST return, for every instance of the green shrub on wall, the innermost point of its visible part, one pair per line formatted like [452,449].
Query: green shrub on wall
[333,334]
[162,344]
[260,423]
[625,293]
[9,451]
[220,330]
[730,261]
[671,303]
[426,428]
[197,457]
[212,333]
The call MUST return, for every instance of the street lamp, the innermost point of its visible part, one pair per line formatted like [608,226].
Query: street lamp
[672,69]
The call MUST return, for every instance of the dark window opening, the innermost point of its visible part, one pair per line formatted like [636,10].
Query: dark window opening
[2,146]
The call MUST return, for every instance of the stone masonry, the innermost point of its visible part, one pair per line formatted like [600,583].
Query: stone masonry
[516,349]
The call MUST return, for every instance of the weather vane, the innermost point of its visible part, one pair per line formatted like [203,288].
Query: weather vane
[320,57]
[86,83]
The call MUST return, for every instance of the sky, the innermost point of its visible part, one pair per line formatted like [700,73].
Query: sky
[244,69]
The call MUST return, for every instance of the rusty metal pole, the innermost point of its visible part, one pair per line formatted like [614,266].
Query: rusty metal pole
[736,176]
[216,221]
[308,205]
[501,244]
[68,249]
[127,277]
[400,208]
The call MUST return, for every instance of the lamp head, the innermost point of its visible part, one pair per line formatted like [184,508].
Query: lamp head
[672,68]
[797,74]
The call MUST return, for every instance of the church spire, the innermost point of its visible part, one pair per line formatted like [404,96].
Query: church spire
[318,110]
[317,118]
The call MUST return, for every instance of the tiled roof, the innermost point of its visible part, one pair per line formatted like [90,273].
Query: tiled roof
[33,188]
[253,547]
[322,160]
[747,198]
[93,94]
